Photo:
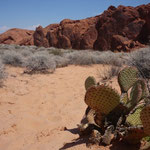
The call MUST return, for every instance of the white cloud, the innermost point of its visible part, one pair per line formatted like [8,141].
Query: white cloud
[3,29]
[33,27]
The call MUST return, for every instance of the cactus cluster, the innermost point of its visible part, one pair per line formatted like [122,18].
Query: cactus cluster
[125,116]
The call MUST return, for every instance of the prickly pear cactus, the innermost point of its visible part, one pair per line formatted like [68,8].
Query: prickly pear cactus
[145,118]
[134,131]
[134,118]
[139,87]
[90,81]
[135,96]
[124,98]
[99,119]
[87,119]
[144,87]
[128,117]
[102,98]
[138,92]
[127,77]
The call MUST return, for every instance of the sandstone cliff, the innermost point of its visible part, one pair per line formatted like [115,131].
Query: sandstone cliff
[117,29]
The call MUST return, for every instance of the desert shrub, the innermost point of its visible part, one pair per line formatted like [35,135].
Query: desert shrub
[12,58]
[60,61]
[57,52]
[45,52]
[7,46]
[2,70]
[95,57]
[109,72]
[40,63]
[141,60]
[32,47]
[111,58]
[41,48]
[2,73]
[26,52]
[80,58]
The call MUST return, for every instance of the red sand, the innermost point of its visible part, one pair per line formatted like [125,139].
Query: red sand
[35,109]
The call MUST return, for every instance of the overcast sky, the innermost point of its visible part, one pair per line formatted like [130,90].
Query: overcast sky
[29,14]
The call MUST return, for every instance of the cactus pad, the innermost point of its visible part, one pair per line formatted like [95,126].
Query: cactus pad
[136,93]
[127,77]
[145,118]
[139,90]
[124,98]
[145,91]
[134,119]
[102,98]
[90,81]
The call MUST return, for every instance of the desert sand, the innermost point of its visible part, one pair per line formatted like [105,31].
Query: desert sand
[41,111]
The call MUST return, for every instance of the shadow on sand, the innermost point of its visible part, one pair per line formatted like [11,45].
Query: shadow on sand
[85,140]
[75,142]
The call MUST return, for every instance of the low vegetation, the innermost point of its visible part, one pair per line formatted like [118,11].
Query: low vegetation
[108,73]
[40,63]
[2,72]
[111,117]
[38,59]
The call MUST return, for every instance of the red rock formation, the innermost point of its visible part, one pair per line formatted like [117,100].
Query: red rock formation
[17,36]
[76,34]
[117,29]
[121,29]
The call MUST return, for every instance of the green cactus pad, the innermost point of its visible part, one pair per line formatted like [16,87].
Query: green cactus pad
[127,77]
[134,119]
[145,91]
[102,98]
[134,135]
[124,98]
[145,118]
[90,81]
[136,94]
[139,90]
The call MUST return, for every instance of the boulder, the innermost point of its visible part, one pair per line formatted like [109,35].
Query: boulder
[17,36]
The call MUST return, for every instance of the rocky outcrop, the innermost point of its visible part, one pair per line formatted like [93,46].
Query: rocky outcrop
[17,36]
[76,34]
[122,28]
[117,29]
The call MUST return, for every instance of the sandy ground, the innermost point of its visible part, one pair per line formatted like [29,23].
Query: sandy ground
[35,109]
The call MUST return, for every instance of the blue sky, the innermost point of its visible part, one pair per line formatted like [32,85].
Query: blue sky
[30,13]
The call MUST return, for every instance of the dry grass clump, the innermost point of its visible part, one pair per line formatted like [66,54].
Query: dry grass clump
[111,58]
[94,57]
[2,73]
[141,60]
[108,73]
[40,63]
[81,58]
[56,52]
[26,52]
[21,56]
[13,58]
[60,61]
